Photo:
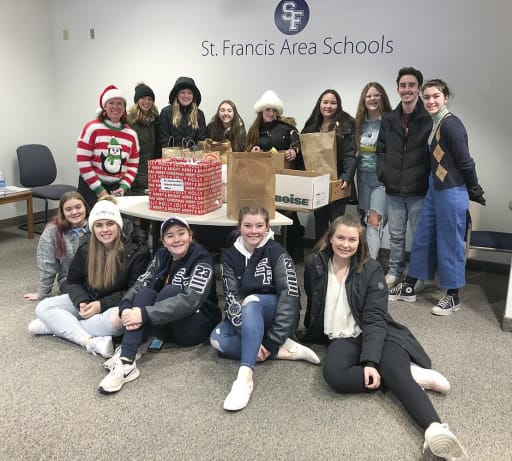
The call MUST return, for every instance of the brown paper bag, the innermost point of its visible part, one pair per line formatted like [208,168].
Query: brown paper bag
[172,151]
[319,152]
[280,162]
[251,182]
[222,147]
[335,193]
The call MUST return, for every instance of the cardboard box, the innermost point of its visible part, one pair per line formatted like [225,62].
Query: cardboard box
[181,186]
[335,193]
[299,190]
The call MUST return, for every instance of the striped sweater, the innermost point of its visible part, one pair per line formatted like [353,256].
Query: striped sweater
[107,154]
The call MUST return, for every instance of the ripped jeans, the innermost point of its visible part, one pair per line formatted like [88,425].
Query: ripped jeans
[372,196]
[257,316]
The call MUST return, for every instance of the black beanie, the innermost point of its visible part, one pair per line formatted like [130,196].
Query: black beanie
[142,90]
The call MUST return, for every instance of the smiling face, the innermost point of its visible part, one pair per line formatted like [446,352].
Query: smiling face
[328,106]
[226,114]
[434,99]
[177,240]
[115,109]
[74,212]
[106,231]
[185,97]
[344,242]
[269,115]
[372,100]
[145,103]
[253,229]
[408,89]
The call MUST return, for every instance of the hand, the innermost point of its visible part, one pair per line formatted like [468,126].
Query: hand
[256,149]
[290,155]
[90,309]
[31,297]
[343,184]
[371,378]
[118,192]
[103,193]
[134,326]
[131,317]
[476,194]
[263,354]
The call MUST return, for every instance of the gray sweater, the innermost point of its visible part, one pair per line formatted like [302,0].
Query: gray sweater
[51,267]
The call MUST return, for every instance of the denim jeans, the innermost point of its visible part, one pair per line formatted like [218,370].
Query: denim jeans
[439,240]
[372,196]
[257,316]
[400,211]
[63,319]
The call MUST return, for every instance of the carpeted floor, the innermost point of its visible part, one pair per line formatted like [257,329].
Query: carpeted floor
[50,408]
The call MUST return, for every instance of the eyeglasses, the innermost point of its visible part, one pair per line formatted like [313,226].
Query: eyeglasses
[373,96]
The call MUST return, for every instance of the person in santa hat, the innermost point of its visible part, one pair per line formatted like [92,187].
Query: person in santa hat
[107,150]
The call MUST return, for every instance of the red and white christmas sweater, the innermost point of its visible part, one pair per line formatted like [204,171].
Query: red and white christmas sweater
[107,154]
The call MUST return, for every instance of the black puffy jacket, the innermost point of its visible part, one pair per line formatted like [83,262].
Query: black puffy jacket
[403,162]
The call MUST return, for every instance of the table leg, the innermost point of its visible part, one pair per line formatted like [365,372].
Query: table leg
[30,218]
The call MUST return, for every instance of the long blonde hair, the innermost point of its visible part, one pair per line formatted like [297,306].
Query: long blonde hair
[193,118]
[104,264]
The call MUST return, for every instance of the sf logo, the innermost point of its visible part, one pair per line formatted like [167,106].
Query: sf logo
[291,16]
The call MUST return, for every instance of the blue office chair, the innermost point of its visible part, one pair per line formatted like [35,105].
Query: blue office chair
[38,171]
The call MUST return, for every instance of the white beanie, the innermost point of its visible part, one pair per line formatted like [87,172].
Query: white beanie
[269,100]
[105,209]
[110,92]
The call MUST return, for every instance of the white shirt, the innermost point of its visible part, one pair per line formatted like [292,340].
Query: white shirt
[338,319]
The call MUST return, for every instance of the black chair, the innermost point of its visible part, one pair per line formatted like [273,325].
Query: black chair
[38,171]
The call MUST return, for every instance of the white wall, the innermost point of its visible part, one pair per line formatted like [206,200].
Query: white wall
[156,41]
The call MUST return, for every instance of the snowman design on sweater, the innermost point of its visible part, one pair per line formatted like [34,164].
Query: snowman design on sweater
[113,161]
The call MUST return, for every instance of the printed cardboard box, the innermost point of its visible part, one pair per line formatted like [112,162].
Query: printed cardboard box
[299,190]
[181,186]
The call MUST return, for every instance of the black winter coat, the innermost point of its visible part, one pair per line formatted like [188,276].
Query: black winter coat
[149,149]
[367,296]
[136,258]
[179,136]
[403,162]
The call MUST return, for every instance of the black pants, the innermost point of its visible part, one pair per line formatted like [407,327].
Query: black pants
[188,331]
[343,373]
[90,197]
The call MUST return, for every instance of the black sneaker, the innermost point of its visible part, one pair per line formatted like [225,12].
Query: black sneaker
[402,292]
[446,305]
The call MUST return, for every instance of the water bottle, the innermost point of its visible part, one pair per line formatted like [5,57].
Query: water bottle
[2,180]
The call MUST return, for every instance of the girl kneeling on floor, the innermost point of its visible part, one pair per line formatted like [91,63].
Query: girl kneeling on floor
[175,300]
[105,265]
[347,308]
[262,304]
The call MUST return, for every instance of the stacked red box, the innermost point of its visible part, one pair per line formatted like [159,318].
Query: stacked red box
[180,186]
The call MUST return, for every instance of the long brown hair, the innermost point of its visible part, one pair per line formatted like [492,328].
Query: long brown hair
[62,224]
[348,220]
[235,128]
[384,106]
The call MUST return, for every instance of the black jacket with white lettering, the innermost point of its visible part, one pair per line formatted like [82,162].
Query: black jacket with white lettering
[269,270]
[193,274]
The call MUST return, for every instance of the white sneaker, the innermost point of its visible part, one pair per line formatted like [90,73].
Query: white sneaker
[239,396]
[392,280]
[443,443]
[300,352]
[430,379]
[120,374]
[109,363]
[101,345]
[38,327]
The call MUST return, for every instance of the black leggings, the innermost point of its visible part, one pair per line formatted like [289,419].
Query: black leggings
[343,372]
[327,214]
[189,331]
